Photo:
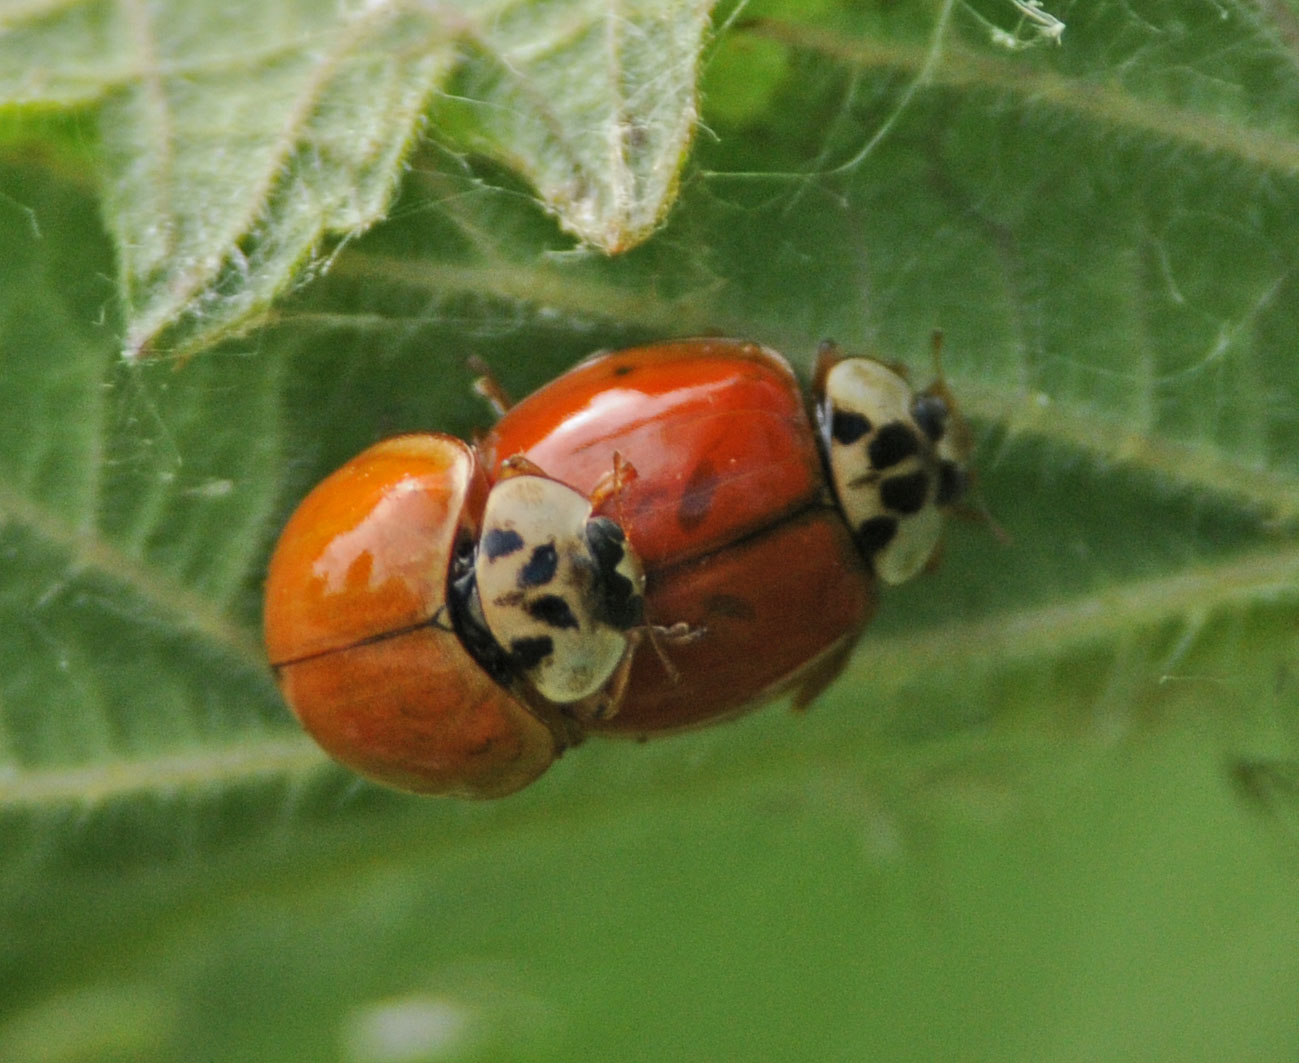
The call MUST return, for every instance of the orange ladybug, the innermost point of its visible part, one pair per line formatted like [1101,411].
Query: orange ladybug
[443,635]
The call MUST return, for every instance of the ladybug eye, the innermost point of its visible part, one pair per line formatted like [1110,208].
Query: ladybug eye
[930,413]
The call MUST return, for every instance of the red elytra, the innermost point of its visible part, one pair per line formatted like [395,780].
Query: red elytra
[728,511]
[356,631]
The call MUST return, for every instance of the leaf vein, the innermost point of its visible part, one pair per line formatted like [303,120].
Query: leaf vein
[87,550]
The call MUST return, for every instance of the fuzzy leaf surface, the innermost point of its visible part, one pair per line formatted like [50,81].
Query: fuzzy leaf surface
[1048,812]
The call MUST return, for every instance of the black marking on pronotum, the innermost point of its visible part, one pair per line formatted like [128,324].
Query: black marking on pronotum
[529,652]
[952,483]
[617,602]
[930,413]
[893,443]
[552,611]
[501,542]
[846,427]
[606,542]
[540,568]
[875,534]
[620,606]
[905,494]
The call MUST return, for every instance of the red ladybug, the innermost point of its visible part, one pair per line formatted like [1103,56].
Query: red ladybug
[729,511]
[443,635]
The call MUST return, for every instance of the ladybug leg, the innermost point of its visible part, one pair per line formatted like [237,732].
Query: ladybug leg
[568,731]
[612,485]
[817,675]
[976,512]
[672,671]
[609,700]
[681,633]
[518,465]
[973,509]
[605,703]
[660,636]
[486,385]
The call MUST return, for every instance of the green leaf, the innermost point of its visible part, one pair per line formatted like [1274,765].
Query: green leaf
[1048,811]
[593,102]
[237,139]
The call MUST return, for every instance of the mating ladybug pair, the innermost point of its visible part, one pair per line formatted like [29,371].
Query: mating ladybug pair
[449,619]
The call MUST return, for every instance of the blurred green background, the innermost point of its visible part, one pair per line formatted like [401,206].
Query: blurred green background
[1048,813]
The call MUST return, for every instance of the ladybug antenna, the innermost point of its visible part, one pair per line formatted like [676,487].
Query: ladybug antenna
[939,385]
[936,352]
[974,508]
[487,386]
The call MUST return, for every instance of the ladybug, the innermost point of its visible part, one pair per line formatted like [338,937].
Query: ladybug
[897,458]
[444,635]
[762,529]
[729,512]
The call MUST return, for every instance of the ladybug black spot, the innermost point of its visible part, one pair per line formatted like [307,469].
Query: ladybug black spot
[697,498]
[893,443]
[620,606]
[930,413]
[540,568]
[847,427]
[501,542]
[905,494]
[530,652]
[730,606]
[552,611]
[875,534]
